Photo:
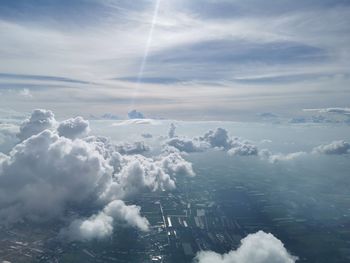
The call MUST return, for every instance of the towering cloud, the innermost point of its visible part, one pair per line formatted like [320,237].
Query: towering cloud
[39,120]
[74,128]
[260,247]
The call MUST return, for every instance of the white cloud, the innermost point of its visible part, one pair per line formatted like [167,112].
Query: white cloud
[39,120]
[217,139]
[335,147]
[74,128]
[47,175]
[185,144]
[100,225]
[132,148]
[242,148]
[8,136]
[260,247]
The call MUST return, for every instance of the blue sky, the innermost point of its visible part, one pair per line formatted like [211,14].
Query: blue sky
[213,59]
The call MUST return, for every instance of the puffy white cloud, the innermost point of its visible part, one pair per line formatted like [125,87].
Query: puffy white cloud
[100,225]
[335,147]
[174,164]
[74,128]
[274,158]
[260,247]
[242,148]
[134,114]
[45,173]
[185,144]
[39,120]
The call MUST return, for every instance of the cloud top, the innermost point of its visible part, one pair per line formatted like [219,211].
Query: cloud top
[260,247]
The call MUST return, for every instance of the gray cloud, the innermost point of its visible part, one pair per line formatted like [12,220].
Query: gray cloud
[132,148]
[260,247]
[214,139]
[100,225]
[48,174]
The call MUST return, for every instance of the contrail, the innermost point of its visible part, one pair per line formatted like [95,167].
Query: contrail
[145,54]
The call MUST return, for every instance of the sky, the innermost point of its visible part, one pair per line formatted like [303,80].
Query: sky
[175,59]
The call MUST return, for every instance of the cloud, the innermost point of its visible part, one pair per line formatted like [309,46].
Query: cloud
[74,128]
[218,138]
[185,144]
[260,247]
[134,114]
[242,148]
[100,225]
[136,122]
[214,139]
[335,148]
[132,148]
[279,157]
[48,174]
[39,120]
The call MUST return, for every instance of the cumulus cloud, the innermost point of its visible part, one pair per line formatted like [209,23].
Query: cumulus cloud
[185,144]
[134,114]
[242,148]
[335,147]
[100,225]
[74,128]
[39,120]
[260,247]
[45,173]
[53,172]
[217,139]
